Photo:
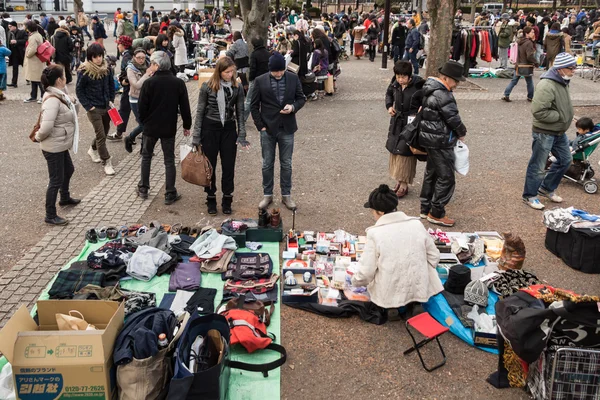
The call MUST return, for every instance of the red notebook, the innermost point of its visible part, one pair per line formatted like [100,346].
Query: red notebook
[115,117]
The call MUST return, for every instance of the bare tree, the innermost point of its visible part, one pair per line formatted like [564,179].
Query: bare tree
[474,5]
[77,6]
[441,14]
[255,14]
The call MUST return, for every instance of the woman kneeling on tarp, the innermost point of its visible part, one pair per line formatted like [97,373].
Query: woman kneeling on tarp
[399,260]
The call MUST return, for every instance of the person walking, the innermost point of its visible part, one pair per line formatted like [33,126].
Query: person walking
[162,98]
[552,116]
[359,48]
[63,46]
[439,129]
[554,43]
[398,40]
[116,20]
[4,53]
[17,40]
[526,63]
[138,72]
[59,132]
[98,30]
[373,36]
[33,66]
[276,99]
[96,92]
[413,43]
[259,65]
[505,38]
[124,44]
[220,106]
[83,22]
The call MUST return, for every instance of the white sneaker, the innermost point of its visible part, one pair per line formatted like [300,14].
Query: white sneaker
[108,168]
[94,155]
[114,136]
[534,203]
[40,101]
[550,195]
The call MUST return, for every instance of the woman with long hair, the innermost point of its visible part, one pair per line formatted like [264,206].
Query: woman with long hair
[162,43]
[138,72]
[177,38]
[220,105]
[320,65]
[373,37]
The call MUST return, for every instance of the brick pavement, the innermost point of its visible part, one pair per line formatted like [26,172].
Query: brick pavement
[113,202]
[467,95]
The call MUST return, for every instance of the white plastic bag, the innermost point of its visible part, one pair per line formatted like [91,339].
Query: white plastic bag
[7,387]
[184,150]
[483,322]
[461,158]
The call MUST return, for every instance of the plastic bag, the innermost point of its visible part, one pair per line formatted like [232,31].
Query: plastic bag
[7,387]
[184,150]
[71,323]
[461,158]
[483,322]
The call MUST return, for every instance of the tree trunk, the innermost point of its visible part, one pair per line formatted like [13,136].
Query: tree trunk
[419,6]
[474,9]
[255,14]
[77,6]
[553,5]
[441,14]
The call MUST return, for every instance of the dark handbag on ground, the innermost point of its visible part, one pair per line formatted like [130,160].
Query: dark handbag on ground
[196,168]
[524,70]
[579,248]
[310,77]
[257,307]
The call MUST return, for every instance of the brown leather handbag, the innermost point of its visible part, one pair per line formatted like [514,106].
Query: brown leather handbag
[257,307]
[196,168]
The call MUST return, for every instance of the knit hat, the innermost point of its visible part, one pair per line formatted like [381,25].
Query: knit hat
[382,199]
[564,60]
[476,293]
[125,41]
[276,62]
[458,279]
[12,23]
[62,23]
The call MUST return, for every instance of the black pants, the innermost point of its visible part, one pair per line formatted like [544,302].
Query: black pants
[168,148]
[124,110]
[351,44]
[220,140]
[372,51]
[60,170]
[34,89]
[15,73]
[439,182]
[67,66]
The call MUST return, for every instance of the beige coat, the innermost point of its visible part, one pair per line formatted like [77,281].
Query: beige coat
[136,81]
[57,125]
[33,66]
[180,48]
[399,261]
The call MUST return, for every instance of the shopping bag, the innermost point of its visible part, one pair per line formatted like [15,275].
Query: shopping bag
[196,169]
[461,158]
[71,323]
[115,117]
[329,84]
[184,150]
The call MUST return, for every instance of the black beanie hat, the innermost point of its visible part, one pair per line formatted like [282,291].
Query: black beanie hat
[382,199]
[276,62]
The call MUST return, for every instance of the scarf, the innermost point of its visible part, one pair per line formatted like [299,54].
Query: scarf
[140,67]
[223,95]
[94,71]
[67,99]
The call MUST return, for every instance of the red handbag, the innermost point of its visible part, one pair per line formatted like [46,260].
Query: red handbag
[45,51]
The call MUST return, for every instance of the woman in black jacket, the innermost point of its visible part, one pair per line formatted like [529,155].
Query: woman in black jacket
[220,106]
[63,46]
[402,100]
[373,37]
[300,49]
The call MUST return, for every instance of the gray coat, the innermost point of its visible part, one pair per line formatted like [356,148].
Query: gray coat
[57,124]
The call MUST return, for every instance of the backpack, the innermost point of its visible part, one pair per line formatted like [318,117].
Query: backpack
[45,51]
[128,29]
[513,52]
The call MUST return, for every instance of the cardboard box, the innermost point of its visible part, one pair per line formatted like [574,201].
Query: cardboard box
[52,364]
[204,75]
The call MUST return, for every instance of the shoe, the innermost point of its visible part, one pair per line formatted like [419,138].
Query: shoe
[69,202]
[172,198]
[265,202]
[288,202]
[423,215]
[534,203]
[264,218]
[29,100]
[211,204]
[115,136]
[226,204]
[58,221]
[529,100]
[275,218]
[128,144]
[108,168]
[13,85]
[506,99]
[444,221]
[94,155]
[550,195]
[40,101]
[143,193]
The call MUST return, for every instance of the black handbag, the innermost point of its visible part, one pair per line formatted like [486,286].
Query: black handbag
[524,70]
[579,248]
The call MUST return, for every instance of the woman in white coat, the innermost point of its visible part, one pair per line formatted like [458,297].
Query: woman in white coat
[177,38]
[400,257]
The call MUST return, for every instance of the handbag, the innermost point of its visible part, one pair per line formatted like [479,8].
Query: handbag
[310,77]
[410,134]
[293,68]
[257,307]
[524,70]
[45,51]
[329,84]
[196,168]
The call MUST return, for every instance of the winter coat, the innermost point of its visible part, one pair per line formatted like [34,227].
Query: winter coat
[373,32]
[82,20]
[63,46]
[94,91]
[180,48]
[33,66]
[208,108]
[136,80]
[259,62]
[99,31]
[399,36]
[52,27]
[57,124]
[161,98]
[505,36]
[526,54]
[18,49]
[551,106]
[399,261]
[300,56]
[320,58]
[406,103]
[154,29]
[413,41]
[542,28]
[238,52]
[553,43]
[440,125]
[4,52]
[339,30]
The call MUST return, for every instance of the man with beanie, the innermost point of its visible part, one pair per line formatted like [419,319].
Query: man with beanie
[552,115]
[276,98]
[439,129]
[17,41]
[505,38]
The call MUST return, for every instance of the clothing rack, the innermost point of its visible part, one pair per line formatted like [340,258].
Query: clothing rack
[469,27]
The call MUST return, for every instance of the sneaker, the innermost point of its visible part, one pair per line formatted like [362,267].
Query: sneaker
[29,100]
[40,101]
[550,195]
[444,221]
[94,155]
[529,100]
[423,216]
[170,199]
[534,203]
[506,99]
[115,136]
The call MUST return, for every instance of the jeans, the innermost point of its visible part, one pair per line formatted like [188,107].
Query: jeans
[439,182]
[536,177]
[219,140]
[101,123]
[168,148]
[34,89]
[124,110]
[60,170]
[84,29]
[397,52]
[136,113]
[503,53]
[539,50]
[268,143]
[515,80]
[412,57]
[248,100]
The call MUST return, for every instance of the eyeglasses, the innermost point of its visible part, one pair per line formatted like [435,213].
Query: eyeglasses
[571,68]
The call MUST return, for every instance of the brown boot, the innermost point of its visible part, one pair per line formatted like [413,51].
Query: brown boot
[275,218]
[444,221]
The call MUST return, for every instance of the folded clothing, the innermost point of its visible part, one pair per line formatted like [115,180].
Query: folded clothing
[112,276]
[134,301]
[170,265]
[182,246]
[153,237]
[112,255]
[256,286]
[217,266]
[247,266]
[145,262]
[68,282]
[211,243]
[187,276]
[202,301]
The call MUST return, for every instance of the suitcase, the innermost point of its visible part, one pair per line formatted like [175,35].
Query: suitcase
[579,248]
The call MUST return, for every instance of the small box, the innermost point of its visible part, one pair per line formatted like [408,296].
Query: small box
[268,234]
[306,296]
[485,339]
[239,237]
[52,364]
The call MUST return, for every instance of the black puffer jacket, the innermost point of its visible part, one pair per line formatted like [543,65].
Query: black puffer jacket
[95,91]
[63,45]
[440,125]
[406,103]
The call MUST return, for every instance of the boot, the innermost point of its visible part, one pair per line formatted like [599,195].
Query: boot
[108,168]
[264,218]
[288,202]
[265,202]
[211,203]
[275,218]
[94,155]
[226,204]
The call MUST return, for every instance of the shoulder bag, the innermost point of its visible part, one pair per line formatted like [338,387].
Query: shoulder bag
[524,70]
[196,168]
[36,127]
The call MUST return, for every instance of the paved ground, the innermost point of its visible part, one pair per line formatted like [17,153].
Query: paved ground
[339,158]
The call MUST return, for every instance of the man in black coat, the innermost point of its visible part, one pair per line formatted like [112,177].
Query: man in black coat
[63,46]
[439,129]
[161,97]
[259,64]
[398,40]
[276,98]
[17,40]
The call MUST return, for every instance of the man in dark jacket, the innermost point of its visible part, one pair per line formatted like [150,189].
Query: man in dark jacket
[63,46]
[398,40]
[439,130]
[17,39]
[259,64]
[413,43]
[276,99]
[161,98]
